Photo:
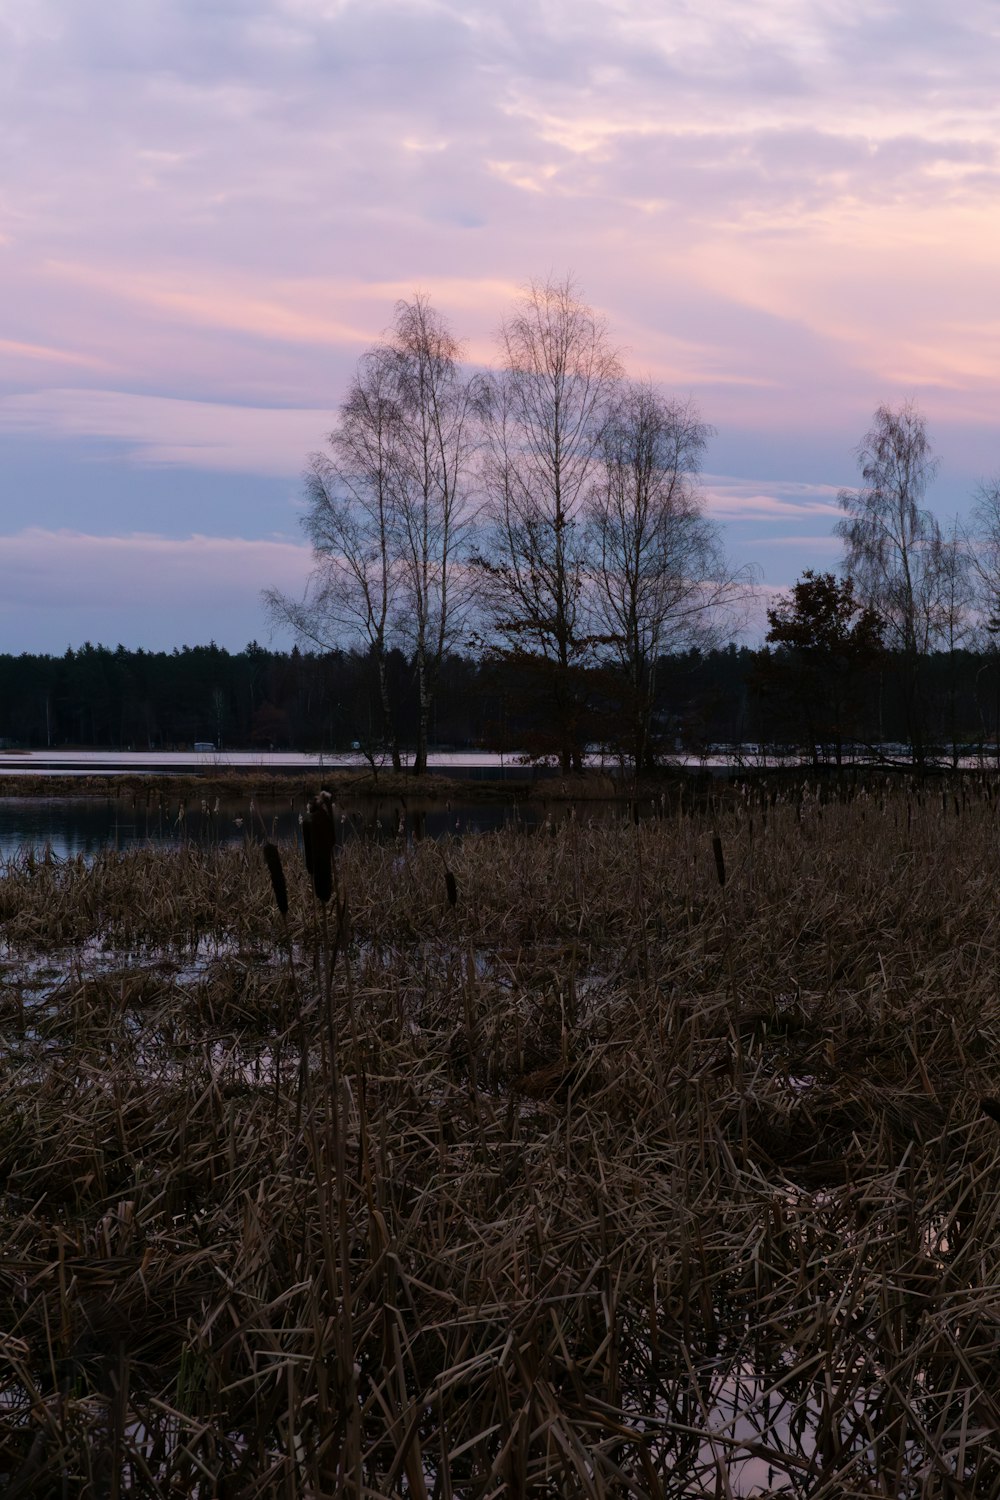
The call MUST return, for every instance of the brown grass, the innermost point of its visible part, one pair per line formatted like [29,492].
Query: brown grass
[603,1180]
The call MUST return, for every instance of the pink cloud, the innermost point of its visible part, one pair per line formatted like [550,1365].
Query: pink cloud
[40,353]
[778,500]
[788,210]
[163,431]
[828,544]
[144,570]
[59,588]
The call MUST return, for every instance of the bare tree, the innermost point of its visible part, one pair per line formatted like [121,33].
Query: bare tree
[350,523]
[433,509]
[893,548]
[984,553]
[983,546]
[892,544]
[957,590]
[956,595]
[388,508]
[546,412]
[659,578]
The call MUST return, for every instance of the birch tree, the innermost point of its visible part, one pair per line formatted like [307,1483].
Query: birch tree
[984,553]
[350,523]
[892,543]
[659,577]
[388,506]
[547,406]
[983,549]
[433,506]
[893,547]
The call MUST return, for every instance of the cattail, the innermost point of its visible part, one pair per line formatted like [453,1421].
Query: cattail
[307,840]
[273,861]
[720,863]
[450,887]
[322,847]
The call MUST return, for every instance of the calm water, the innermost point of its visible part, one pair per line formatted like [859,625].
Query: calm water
[85,825]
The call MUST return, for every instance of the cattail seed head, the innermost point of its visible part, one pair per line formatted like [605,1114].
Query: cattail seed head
[273,861]
[720,863]
[307,840]
[322,847]
[451,887]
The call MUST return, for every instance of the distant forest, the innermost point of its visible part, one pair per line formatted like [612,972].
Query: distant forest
[776,697]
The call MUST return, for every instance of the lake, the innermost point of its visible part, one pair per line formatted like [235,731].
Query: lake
[85,825]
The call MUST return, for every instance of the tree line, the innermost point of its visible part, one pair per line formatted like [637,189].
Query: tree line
[797,698]
[327,701]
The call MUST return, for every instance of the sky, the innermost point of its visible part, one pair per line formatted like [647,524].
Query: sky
[785,209]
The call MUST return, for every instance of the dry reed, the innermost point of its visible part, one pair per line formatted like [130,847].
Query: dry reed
[601,1181]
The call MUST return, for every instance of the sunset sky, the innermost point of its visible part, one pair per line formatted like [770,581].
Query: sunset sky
[788,209]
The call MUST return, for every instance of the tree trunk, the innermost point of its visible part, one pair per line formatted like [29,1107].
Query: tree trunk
[423,722]
[388,726]
[914,715]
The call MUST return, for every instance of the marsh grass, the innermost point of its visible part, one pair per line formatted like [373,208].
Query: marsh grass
[582,1174]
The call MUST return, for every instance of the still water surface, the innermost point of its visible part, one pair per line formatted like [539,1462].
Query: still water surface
[85,825]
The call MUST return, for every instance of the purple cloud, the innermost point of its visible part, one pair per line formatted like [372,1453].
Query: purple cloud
[208,211]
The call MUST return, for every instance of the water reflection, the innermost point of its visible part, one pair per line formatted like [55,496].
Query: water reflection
[86,825]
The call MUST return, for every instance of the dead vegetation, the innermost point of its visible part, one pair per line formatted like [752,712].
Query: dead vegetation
[578,1173]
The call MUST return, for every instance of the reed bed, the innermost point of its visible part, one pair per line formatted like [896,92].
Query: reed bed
[617,1160]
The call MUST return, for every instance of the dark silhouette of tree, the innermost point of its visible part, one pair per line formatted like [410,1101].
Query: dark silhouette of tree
[893,550]
[983,552]
[349,523]
[389,507]
[546,412]
[169,699]
[432,508]
[827,641]
[659,580]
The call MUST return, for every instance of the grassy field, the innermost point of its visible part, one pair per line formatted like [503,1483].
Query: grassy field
[606,1177]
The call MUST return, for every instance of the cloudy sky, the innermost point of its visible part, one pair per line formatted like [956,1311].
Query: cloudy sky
[786,208]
